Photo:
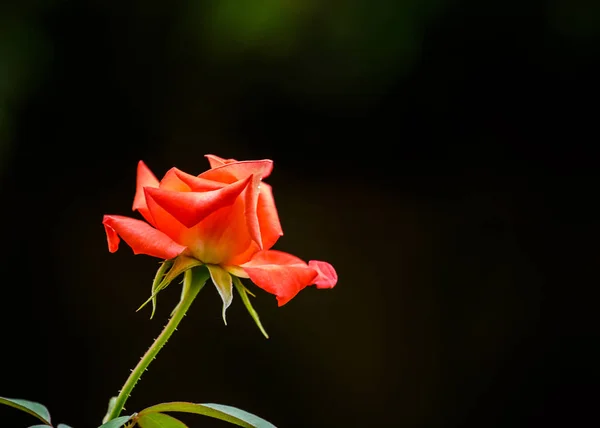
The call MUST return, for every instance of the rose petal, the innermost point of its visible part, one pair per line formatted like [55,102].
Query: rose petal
[112,238]
[171,181]
[244,256]
[268,219]
[279,273]
[145,178]
[190,208]
[166,223]
[326,274]
[216,161]
[251,199]
[140,236]
[234,171]
[197,184]
[221,237]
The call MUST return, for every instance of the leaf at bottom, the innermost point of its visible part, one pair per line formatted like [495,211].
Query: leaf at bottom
[159,420]
[116,423]
[35,409]
[218,411]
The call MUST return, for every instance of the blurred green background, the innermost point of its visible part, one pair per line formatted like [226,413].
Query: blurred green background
[441,155]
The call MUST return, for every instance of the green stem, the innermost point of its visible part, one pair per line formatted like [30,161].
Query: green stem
[194,280]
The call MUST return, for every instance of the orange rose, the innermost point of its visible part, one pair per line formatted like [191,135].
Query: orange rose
[224,218]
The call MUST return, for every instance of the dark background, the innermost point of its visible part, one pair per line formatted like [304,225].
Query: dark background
[441,155]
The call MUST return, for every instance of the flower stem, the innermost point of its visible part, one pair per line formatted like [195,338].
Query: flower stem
[194,280]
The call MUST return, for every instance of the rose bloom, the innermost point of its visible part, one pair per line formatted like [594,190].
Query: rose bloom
[224,218]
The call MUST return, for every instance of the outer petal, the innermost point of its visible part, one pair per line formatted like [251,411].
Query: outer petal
[280,273]
[140,236]
[190,208]
[145,178]
[268,219]
[216,161]
[234,171]
[326,274]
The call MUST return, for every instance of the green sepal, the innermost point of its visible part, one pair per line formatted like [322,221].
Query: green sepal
[243,291]
[35,409]
[162,280]
[223,282]
[158,278]
[218,411]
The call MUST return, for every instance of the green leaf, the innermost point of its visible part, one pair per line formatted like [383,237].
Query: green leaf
[35,409]
[48,426]
[247,417]
[217,411]
[244,295]
[159,420]
[222,280]
[116,423]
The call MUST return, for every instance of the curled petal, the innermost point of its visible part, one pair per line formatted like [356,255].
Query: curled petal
[145,178]
[112,238]
[140,236]
[234,171]
[326,274]
[190,208]
[280,273]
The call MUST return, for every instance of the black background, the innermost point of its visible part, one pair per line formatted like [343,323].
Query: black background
[448,173]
